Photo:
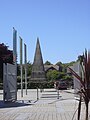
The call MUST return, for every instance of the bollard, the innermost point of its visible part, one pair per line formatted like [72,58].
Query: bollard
[37,94]
[57,94]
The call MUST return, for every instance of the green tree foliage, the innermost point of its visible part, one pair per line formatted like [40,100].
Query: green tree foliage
[48,63]
[65,66]
[59,63]
[6,56]
[53,75]
[62,75]
[29,69]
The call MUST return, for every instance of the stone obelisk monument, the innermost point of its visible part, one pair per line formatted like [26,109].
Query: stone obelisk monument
[38,72]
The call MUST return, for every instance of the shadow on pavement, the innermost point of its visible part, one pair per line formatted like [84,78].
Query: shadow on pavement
[19,103]
[50,96]
[49,91]
[68,92]
[60,100]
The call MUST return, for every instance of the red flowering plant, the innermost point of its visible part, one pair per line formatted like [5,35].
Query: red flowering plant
[84,81]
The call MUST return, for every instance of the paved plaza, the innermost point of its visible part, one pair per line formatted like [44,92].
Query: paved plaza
[48,107]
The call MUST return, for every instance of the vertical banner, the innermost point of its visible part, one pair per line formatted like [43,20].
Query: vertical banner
[25,54]
[21,66]
[25,62]
[15,57]
[20,50]
[14,45]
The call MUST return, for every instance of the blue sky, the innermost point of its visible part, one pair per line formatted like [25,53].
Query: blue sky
[63,27]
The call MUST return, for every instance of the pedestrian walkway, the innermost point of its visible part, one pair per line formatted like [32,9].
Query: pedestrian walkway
[48,107]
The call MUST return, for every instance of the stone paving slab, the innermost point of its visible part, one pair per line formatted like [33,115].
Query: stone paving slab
[46,108]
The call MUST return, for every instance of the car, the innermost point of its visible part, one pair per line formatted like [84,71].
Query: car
[62,86]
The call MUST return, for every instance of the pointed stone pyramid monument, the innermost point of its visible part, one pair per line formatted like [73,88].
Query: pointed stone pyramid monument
[38,72]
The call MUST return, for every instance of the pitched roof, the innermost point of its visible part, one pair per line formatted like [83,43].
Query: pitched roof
[47,67]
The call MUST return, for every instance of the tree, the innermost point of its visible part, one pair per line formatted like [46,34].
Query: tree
[53,75]
[48,63]
[6,56]
[59,63]
[29,68]
[65,66]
